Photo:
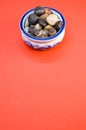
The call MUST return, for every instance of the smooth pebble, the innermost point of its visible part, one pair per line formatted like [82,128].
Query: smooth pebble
[48,27]
[43,33]
[26,23]
[33,19]
[38,26]
[52,32]
[58,25]
[47,11]
[39,10]
[44,16]
[27,29]
[52,19]
[42,22]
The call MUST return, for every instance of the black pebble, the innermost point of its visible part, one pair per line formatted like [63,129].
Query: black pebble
[58,25]
[39,10]
[43,22]
[33,19]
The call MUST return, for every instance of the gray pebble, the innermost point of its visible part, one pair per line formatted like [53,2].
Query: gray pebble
[42,22]
[33,19]
[39,10]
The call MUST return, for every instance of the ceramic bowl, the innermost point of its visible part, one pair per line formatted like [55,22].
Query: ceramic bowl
[42,43]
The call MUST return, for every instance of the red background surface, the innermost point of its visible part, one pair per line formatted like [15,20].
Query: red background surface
[43,90]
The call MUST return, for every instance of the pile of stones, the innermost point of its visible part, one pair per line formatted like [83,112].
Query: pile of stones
[42,23]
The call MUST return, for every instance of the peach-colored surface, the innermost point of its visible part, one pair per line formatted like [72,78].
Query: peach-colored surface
[43,90]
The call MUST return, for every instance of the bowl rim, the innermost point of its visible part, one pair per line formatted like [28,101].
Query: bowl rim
[42,39]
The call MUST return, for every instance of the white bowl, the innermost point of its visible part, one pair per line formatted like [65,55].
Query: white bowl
[42,43]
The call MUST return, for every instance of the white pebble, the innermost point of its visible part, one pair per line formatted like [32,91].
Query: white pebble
[38,26]
[52,19]
[26,29]
[26,22]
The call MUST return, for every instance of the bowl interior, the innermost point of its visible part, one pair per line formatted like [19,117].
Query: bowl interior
[34,38]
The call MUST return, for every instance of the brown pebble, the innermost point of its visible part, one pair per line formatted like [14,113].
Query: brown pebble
[47,11]
[44,16]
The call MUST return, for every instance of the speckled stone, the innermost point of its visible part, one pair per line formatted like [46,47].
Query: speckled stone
[32,30]
[52,32]
[43,33]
